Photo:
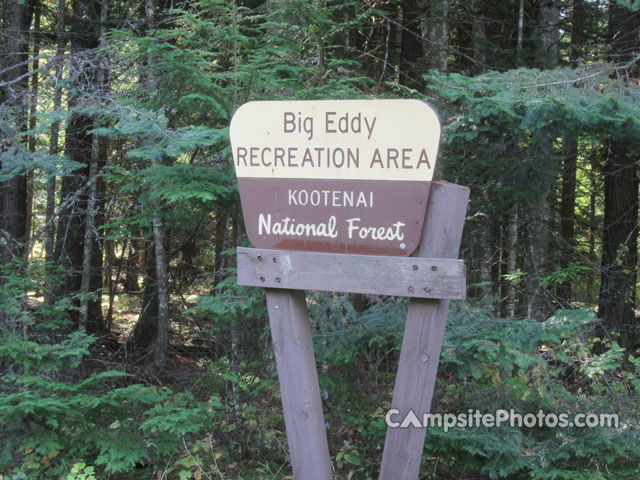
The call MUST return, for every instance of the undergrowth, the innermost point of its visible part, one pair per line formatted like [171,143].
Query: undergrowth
[62,417]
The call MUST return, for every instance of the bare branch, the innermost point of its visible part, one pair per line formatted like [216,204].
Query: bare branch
[54,58]
[615,68]
[562,82]
[36,58]
[66,203]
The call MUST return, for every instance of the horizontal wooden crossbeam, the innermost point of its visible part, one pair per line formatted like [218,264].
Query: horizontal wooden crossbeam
[369,274]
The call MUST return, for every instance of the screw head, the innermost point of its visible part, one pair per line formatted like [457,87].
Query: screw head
[434,268]
[259,258]
[262,279]
[277,279]
[415,267]
[275,259]
[427,289]
[411,289]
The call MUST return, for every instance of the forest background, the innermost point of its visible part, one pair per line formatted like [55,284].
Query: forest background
[128,351]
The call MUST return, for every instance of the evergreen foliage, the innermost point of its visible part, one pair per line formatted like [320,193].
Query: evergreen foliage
[114,146]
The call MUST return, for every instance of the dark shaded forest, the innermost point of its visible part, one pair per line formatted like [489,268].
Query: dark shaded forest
[127,349]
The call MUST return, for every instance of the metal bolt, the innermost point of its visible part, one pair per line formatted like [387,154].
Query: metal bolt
[434,268]
[278,279]
[275,259]
[411,289]
[259,258]
[262,279]
[424,358]
[415,267]
[427,289]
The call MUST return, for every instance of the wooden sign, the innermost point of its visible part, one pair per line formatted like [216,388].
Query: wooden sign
[343,176]
[320,180]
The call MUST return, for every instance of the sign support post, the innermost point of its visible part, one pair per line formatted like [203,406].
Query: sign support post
[423,334]
[301,402]
[337,196]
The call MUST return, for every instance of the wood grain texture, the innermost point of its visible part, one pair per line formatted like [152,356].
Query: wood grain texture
[369,274]
[424,330]
[299,387]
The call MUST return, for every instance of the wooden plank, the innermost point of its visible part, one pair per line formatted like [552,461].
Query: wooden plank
[423,335]
[299,387]
[371,274]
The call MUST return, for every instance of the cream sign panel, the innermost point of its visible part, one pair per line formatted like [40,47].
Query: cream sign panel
[347,176]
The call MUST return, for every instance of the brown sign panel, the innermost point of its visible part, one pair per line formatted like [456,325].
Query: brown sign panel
[350,176]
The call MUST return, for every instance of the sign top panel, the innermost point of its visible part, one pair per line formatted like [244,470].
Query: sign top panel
[336,139]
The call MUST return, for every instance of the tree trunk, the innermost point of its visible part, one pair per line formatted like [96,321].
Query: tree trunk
[221,234]
[578,30]
[49,239]
[497,268]
[146,328]
[238,416]
[411,46]
[72,225]
[478,30]
[520,31]
[569,170]
[486,260]
[33,112]
[16,20]
[90,240]
[512,257]
[567,214]
[538,240]
[440,34]
[113,283]
[619,243]
[390,38]
[343,39]
[591,239]
[161,341]
[616,306]
[624,37]
[549,33]
[135,263]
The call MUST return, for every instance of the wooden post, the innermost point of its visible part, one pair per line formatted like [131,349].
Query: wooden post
[423,335]
[299,387]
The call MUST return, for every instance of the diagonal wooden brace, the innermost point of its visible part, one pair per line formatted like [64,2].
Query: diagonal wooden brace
[423,333]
